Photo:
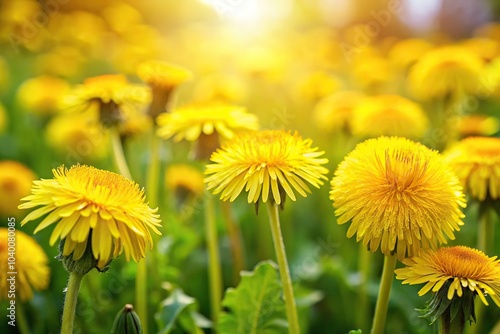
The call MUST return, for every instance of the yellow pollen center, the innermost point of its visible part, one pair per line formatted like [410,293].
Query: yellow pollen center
[461,261]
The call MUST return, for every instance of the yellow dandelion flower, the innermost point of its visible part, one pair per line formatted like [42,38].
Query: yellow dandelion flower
[3,119]
[406,52]
[316,85]
[462,267]
[30,264]
[220,88]
[42,95]
[372,72]
[334,112]
[77,137]
[162,74]
[184,181]
[191,121]
[93,206]
[269,165]
[478,125]
[487,49]
[389,115]
[112,93]
[15,183]
[476,161]
[446,71]
[398,194]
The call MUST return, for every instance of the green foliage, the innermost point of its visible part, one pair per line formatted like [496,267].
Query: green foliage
[256,305]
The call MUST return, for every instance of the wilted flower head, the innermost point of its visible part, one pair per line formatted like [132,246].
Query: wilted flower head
[30,264]
[476,161]
[397,194]
[93,209]
[269,165]
[389,115]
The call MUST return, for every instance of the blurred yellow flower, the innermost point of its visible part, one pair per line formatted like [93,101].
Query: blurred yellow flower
[476,161]
[389,115]
[162,77]
[373,73]
[478,125]
[457,268]
[446,71]
[316,85]
[265,63]
[4,121]
[185,181]
[111,93]
[77,137]
[189,122]
[65,61]
[121,16]
[406,52]
[398,194]
[93,206]
[42,95]
[31,264]
[219,87]
[15,183]
[487,49]
[334,113]
[269,165]
[135,123]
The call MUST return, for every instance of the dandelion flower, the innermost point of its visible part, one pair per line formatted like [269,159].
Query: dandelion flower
[406,52]
[389,115]
[476,161]
[95,206]
[185,182]
[31,264]
[478,125]
[42,95]
[316,85]
[334,112]
[220,87]
[269,165]
[398,194]
[446,71]
[15,183]
[462,267]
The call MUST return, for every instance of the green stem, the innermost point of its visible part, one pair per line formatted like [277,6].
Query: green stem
[152,180]
[279,248]
[364,267]
[214,266]
[118,155]
[383,294]
[235,239]
[455,326]
[141,293]
[68,317]
[21,322]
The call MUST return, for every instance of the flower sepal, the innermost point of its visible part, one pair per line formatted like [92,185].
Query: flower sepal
[84,264]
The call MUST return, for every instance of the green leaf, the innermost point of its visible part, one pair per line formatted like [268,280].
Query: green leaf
[256,305]
[179,308]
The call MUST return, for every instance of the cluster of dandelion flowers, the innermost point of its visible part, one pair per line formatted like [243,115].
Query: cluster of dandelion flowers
[389,115]
[459,266]
[476,161]
[31,264]
[398,194]
[269,165]
[93,206]
[446,71]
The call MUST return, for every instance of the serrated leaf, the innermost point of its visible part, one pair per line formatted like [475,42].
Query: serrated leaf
[178,306]
[256,304]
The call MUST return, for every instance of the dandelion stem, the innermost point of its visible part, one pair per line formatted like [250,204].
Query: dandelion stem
[364,265]
[452,326]
[279,248]
[383,294]
[119,156]
[214,266]
[21,322]
[141,292]
[68,317]
[234,233]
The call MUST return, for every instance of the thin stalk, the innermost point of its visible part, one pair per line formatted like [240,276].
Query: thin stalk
[68,317]
[235,239]
[279,248]
[448,326]
[364,267]
[21,322]
[141,293]
[118,155]
[383,294]
[214,266]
